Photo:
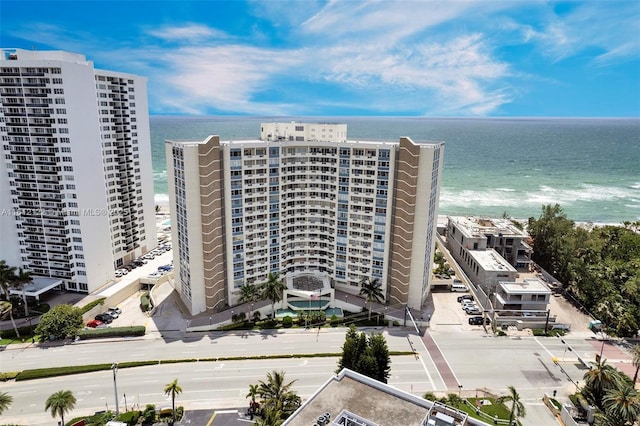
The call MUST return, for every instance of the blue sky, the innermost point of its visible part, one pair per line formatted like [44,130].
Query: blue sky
[359,58]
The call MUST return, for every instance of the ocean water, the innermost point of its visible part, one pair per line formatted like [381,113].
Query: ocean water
[591,167]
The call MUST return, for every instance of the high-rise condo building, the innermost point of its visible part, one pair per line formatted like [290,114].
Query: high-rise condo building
[302,199]
[75,175]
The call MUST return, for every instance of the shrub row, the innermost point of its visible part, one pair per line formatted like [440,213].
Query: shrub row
[40,373]
[10,333]
[96,333]
[86,308]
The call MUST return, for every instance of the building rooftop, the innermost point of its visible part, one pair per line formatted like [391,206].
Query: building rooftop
[360,400]
[490,260]
[480,227]
[529,285]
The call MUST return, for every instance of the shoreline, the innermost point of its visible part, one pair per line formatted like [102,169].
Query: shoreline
[163,213]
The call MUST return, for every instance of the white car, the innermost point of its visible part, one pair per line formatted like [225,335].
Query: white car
[154,275]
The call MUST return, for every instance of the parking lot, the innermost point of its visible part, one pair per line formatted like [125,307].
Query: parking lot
[449,315]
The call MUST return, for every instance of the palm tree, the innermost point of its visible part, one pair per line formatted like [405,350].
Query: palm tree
[273,290]
[60,403]
[599,379]
[635,353]
[6,307]
[371,290]
[517,407]
[21,279]
[249,293]
[622,403]
[278,396]
[253,392]
[173,389]
[5,401]
[7,273]
[270,417]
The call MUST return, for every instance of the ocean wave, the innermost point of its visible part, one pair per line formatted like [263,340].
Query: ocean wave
[636,185]
[545,194]
[161,199]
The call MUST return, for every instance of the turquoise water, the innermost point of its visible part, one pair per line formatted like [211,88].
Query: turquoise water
[591,167]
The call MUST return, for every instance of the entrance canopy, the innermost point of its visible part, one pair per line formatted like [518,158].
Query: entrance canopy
[37,286]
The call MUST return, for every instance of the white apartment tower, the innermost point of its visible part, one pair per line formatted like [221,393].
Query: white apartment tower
[76,179]
[302,198]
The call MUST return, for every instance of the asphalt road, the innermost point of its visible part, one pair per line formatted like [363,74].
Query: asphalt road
[204,384]
[476,360]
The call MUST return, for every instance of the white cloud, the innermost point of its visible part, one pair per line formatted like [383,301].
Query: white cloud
[610,28]
[187,33]
[223,77]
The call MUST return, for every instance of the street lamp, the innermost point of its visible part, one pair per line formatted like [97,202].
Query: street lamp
[209,320]
[114,368]
[459,390]
[251,312]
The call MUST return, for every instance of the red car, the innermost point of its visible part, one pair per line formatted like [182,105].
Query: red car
[94,323]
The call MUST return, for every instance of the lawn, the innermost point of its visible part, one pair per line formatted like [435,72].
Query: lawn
[492,410]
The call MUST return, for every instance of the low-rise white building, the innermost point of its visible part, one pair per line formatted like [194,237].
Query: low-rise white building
[528,295]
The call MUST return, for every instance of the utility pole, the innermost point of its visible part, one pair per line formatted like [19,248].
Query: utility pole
[114,368]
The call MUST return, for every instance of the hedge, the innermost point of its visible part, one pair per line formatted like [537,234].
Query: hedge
[40,373]
[96,333]
[86,308]
[25,331]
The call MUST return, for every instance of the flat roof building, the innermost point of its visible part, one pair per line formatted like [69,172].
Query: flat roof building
[350,398]
[302,199]
[75,176]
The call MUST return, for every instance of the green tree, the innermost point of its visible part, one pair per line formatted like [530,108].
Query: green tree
[273,290]
[351,350]
[254,391]
[7,274]
[60,403]
[61,321]
[5,401]
[249,293]
[277,395]
[378,349]
[6,308]
[553,239]
[600,379]
[368,355]
[270,417]
[21,279]
[635,354]
[172,389]
[517,407]
[371,290]
[622,403]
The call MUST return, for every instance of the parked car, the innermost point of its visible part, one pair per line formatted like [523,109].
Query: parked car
[465,297]
[104,317]
[94,323]
[115,309]
[468,303]
[478,321]
[473,310]
[113,314]
[154,275]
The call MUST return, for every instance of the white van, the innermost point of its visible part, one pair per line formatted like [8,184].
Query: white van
[459,287]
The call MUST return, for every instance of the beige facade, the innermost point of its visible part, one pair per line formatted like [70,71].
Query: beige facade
[303,199]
